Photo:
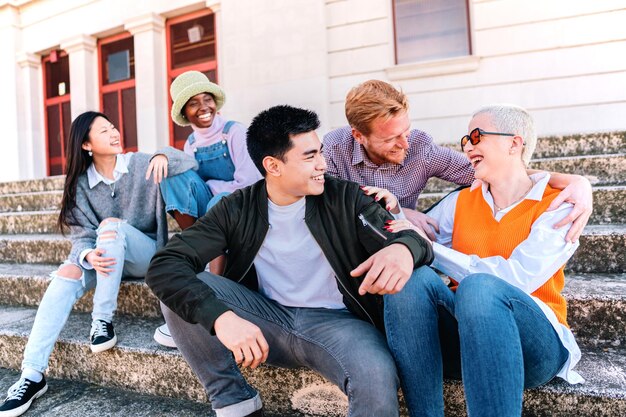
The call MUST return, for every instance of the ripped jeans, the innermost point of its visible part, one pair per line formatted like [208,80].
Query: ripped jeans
[132,251]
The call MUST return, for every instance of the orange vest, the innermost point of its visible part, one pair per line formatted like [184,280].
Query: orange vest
[476,232]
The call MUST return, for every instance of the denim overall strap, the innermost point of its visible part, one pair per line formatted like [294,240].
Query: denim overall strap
[191,138]
[215,161]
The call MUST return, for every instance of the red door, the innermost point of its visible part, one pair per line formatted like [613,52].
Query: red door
[56,81]
[116,75]
[191,45]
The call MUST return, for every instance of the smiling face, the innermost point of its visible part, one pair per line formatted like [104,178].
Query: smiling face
[104,139]
[200,110]
[494,155]
[388,140]
[299,173]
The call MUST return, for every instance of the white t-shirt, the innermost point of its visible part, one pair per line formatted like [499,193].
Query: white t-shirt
[291,266]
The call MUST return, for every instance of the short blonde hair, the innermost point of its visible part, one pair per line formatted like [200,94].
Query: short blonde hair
[509,118]
[371,100]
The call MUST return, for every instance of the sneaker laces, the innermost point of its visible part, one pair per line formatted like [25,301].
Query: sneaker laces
[16,392]
[99,328]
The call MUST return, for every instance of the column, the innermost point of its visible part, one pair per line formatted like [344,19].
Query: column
[10,156]
[83,73]
[151,84]
[32,144]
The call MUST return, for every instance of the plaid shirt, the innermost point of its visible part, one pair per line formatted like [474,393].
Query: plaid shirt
[346,159]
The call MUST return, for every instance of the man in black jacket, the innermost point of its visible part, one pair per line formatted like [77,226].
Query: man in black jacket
[307,263]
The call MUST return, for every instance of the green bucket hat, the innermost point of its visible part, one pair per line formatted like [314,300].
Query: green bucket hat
[187,85]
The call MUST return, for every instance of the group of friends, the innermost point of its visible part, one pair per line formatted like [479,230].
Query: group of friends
[296,252]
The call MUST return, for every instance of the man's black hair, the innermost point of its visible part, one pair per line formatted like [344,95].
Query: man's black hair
[271,130]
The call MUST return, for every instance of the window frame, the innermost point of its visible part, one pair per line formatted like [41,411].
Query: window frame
[117,86]
[172,73]
[54,101]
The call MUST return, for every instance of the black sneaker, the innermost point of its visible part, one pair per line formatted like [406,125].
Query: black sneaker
[257,413]
[102,336]
[21,395]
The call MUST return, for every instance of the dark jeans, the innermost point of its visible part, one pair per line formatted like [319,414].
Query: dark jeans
[491,332]
[349,352]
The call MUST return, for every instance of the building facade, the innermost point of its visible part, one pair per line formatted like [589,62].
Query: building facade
[564,60]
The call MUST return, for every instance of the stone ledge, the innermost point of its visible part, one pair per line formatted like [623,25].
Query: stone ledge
[138,364]
[591,299]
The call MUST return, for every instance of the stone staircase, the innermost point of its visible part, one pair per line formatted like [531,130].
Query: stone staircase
[138,377]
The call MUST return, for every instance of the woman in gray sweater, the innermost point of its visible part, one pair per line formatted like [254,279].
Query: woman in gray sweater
[117,221]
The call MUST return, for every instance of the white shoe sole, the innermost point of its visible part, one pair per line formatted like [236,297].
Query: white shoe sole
[21,410]
[104,346]
[164,339]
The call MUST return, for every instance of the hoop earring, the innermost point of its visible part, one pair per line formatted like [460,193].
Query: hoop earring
[90,153]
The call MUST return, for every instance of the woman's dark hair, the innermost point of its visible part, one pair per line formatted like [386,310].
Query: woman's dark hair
[271,130]
[77,160]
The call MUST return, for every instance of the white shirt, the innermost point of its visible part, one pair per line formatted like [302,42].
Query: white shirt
[530,265]
[291,266]
[94,178]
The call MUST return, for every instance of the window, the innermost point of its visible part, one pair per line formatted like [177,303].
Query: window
[117,86]
[191,45]
[431,29]
[56,81]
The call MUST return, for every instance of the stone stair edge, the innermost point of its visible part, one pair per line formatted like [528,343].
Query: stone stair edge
[590,297]
[154,362]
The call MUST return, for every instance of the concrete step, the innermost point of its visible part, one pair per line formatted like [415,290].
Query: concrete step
[138,364]
[43,222]
[31,186]
[599,169]
[608,209]
[602,250]
[603,169]
[583,144]
[596,308]
[79,399]
[574,145]
[33,201]
[608,204]
[591,298]
[25,285]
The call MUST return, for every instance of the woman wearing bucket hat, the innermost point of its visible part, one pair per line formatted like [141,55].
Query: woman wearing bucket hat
[219,146]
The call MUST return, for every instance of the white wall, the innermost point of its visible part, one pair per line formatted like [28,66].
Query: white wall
[562,59]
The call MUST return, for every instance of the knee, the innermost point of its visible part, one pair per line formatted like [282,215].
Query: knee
[380,372]
[109,229]
[478,294]
[69,271]
[422,286]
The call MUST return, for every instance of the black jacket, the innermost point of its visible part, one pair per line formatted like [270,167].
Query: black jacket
[346,223]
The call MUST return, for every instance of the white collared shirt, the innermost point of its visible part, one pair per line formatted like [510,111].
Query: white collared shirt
[531,264]
[121,167]
[94,178]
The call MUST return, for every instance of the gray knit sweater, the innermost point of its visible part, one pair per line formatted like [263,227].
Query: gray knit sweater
[137,201]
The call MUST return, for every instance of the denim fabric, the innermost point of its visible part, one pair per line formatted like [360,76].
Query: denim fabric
[346,350]
[215,199]
[188,192]
[492,331]
[130,248]
[215,162]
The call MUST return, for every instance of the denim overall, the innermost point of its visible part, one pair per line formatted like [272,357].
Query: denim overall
[188,192]
[214,161]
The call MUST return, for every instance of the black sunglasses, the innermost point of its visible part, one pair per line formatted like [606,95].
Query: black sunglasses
[475,135]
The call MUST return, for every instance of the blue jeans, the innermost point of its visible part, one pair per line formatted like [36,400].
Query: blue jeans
[490,332]
[349,352]
[132,251]
[187,193]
